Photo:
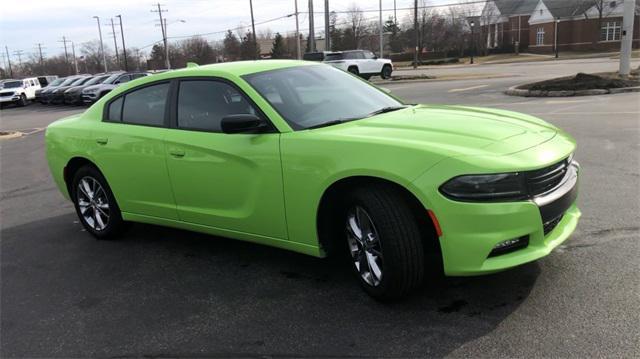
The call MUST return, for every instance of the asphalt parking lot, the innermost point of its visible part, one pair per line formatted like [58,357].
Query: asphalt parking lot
[162,292]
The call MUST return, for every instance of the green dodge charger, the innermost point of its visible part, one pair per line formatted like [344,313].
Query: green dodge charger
[308,158]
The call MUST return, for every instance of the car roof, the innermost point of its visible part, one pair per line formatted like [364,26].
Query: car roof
[240,68]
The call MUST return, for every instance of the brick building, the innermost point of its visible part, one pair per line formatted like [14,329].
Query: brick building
[534,24]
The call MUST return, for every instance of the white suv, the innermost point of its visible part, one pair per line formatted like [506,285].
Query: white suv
[360,62]
[19,92]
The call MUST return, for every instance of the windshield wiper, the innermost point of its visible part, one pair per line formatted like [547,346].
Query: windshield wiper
[343,120]
[326,124]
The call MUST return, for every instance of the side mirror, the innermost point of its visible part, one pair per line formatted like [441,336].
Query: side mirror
[243,123]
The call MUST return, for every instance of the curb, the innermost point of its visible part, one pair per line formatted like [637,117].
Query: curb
[5,135]
[437,79]
[515,91]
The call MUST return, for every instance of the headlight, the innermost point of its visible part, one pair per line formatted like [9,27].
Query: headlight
[502,186]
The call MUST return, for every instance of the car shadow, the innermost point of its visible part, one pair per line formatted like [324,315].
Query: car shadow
[165,292]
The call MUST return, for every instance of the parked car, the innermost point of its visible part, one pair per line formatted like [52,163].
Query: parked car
[46,93]
[19,92]
[315,56]
[362,63]
[93,93]
[73,95]
[56,96]
[46,80]
[55,83]
[306,157]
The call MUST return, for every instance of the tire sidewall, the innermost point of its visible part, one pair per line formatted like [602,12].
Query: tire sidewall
[384,73]
[115,219]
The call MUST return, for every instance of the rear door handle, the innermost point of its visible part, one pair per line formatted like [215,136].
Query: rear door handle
[176,152]
[102,140]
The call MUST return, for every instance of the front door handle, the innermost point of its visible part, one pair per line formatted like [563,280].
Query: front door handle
[176,152]
[102,140]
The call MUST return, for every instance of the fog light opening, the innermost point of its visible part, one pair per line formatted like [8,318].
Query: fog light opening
[509,246]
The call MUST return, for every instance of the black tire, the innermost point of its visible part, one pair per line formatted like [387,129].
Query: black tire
[354,70]
[402,259]
[23,100]
[366,77]
[114,225]
[386,72]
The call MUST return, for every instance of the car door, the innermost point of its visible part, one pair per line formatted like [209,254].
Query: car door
[129,150]
[228,181]
[372,65]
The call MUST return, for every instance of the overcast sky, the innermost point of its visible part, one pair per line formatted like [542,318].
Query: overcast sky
[24,23]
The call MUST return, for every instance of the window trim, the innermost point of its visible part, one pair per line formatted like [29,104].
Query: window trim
[173,109]
[165,120]
[610,28]
[540,35]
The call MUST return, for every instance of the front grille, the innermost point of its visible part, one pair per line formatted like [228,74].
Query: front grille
[6,94]
[545,179]
[550,225]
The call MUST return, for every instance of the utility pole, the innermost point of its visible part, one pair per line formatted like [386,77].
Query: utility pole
[9,61]
[297,32]
[124,49]
[137,59]
[327,37]
[555,41]
[104,57]
[163,26]
[473,41]
[75,59]
[415,30]
[312,36]
[381,32]
[115,43]
[41,57]
[627,37]
[395,15]
[19,54]
[253,32]
[66,53]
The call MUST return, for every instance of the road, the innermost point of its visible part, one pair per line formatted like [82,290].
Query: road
[161,292]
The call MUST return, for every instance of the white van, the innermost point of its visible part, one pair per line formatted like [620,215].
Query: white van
[19,92]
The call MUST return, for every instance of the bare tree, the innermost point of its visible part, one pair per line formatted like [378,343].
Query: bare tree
[356,27]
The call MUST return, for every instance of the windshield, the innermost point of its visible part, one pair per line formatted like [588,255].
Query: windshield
[12,84]
[68,81]
[308,96]
[96,80]
[56,82]
[111,79]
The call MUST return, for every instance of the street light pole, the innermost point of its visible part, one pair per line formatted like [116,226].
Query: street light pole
[626,38]
[104,57]
[473,42]
[297,31]
[556,36]
[415,33]
[381,31]
[115,43]
[124,49]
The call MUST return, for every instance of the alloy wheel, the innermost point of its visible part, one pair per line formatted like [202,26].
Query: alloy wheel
[364,245]
[93,203]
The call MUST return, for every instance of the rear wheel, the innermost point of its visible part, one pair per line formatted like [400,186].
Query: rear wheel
[354,70]
[95,204]
[384,242]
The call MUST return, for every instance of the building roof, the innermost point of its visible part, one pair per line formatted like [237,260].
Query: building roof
[517,7]
[566,8]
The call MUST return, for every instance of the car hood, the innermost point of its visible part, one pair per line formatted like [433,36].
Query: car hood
[452,130]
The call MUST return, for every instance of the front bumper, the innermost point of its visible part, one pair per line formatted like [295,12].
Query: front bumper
[73,98]
[89,98]
[471,230]
[9,99]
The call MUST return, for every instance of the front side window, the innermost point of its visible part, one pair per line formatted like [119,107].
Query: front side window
[309,96]
[540,36]
[610,31]
[145,106]
[123,79]
[369,55]
[202,104]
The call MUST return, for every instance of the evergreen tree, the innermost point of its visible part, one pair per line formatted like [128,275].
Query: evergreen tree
[248,50]
[231,46]
[396,43]
[278,50]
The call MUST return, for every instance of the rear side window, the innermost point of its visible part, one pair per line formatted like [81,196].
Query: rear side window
[203,103]
[142,107]
[115,110]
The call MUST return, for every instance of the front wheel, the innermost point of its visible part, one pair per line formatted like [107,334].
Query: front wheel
[23,100]
[95,204]
[384,241]
[354,70]
[386,72]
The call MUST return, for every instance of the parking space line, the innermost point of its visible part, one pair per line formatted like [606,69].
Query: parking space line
[467,88]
